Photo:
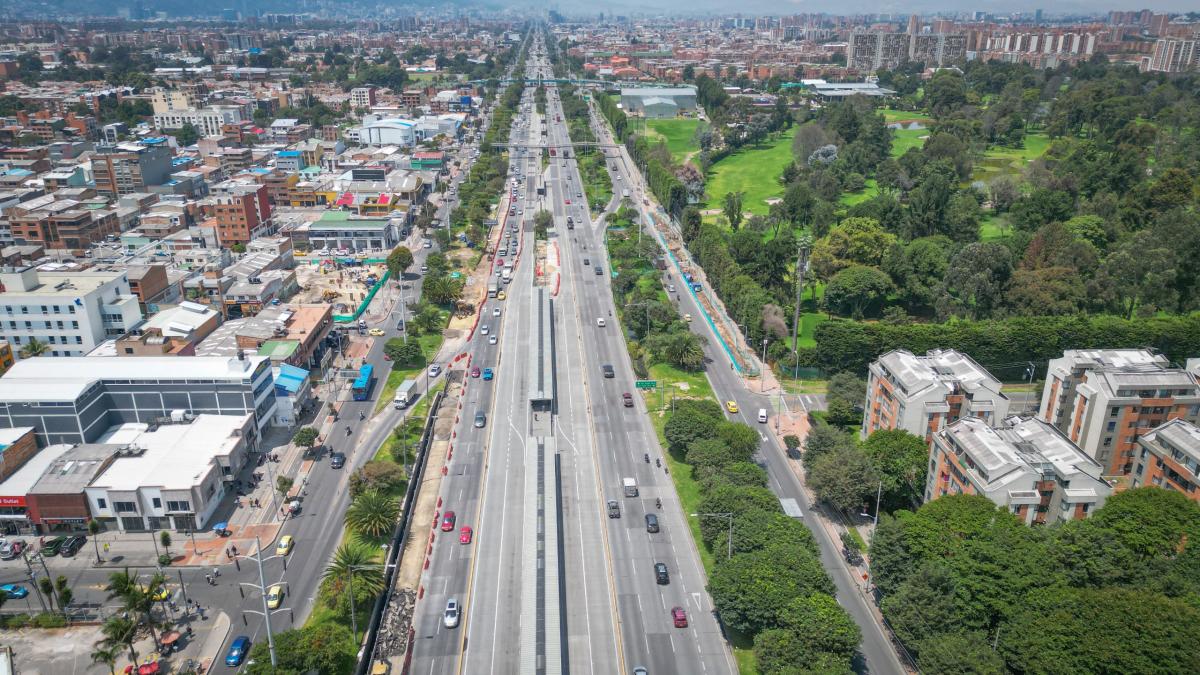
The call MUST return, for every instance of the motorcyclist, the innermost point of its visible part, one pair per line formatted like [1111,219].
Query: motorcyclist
[658,503]
[657,462]
[362,415]
[646,456]
[347,429]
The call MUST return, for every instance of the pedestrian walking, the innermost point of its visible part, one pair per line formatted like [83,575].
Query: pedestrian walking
[234,547]
[216,573]
[208,578]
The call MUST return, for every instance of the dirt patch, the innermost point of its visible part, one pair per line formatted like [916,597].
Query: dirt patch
[329,282]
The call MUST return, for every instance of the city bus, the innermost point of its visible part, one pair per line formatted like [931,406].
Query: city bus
[362,384]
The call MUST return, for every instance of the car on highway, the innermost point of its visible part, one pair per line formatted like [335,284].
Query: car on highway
[475,371]
[627,399]
[501,295]
[52,547]
[337,460]
[284,547]
[599,270]
[451,615]
[465,534]
[670,288]
[14,591]
[608,371]
[731,406]
[568,202]
[275,596]
[488,374]
[480,419]
[237,651]
[679,617]
[448,521]
[587,261]
[495,311]
[492,339]
[661,576]
[639,670]
[377,332]
[485,329]
[12,548]
[651,523]
[600,322]
[614,509]
[434,370]
[72,545]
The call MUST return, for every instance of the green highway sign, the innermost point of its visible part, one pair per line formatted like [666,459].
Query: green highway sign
[646,384]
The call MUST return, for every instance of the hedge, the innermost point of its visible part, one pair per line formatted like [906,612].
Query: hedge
[1003,345]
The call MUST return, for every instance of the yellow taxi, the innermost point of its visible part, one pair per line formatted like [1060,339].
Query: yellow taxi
[501,295]
[275,596]
[285,545]
[161,594]
[731,406]
[377,332]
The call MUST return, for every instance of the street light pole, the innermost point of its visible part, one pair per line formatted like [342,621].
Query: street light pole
[874,526]
[762,371]
[262,589]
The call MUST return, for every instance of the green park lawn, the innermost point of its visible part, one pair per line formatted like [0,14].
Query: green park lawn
[903,139]
[678,135]
[430,344]
[753,171]
[993,227]
[998,161]
[891,115]
[869,192]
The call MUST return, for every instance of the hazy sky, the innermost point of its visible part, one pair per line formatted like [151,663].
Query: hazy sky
[866,6]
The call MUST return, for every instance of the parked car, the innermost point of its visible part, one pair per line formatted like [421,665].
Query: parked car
[237,651]
[11,548]
[72,545]
[52,547]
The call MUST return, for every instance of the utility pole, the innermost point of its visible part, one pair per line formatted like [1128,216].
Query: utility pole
[875,526]
[801,267]
[33,580]
[261,586]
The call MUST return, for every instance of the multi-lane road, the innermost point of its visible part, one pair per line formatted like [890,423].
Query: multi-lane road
[614,616]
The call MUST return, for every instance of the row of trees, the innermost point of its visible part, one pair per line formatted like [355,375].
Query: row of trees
[597,186]
[767,582]
[969,588]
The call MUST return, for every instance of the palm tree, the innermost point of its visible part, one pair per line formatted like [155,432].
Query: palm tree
[359,560]
[137,599]
[106,654]
[373,513]
[34,347]
[120,631]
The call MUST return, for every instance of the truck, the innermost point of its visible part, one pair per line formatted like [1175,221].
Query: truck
[493,288]
[406,393]
[625,194]
[630,487]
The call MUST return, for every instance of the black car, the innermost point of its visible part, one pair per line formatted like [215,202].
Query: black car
[72,545]
[598,271]
[651,522]
[661,576]
[337,460]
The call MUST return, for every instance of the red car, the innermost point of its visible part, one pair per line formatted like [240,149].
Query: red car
[679,617]
[627,399]
[464,535]
[448,521]
[475,371]
[568,202]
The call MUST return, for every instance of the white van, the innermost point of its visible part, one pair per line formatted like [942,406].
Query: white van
[762,415]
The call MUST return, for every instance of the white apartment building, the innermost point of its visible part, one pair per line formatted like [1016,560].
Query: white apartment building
[207,120]
[71,312]
[1024,464]
[1070,370]
[923,394]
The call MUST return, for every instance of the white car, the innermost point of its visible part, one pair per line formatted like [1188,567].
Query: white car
[600,322]
[450,618]
[434,370]
[484,330]
[492,339]
[495,311]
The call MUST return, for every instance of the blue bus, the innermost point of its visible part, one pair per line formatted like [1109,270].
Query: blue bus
[362,384]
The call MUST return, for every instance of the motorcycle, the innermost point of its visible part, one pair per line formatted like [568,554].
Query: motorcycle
[657,462]
[348,430]
[658,503]
[646,457]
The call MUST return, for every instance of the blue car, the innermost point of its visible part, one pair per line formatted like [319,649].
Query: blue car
[237,651]
[14,591]
[487,374]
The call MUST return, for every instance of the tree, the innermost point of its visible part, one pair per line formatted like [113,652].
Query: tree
[857,241]
[779,650]
[120,632]
[442,290]
[106,655]
[398,262]
[959,653]
[976,279]
[94,528]
[357,559]
[1139,272]
[324,648]
[376,476]
[844,396]
[1152,523]
[305,437]
[693,420]
[164,538]
[916,269]
[857,290]
[187,134]
[740,441]
[34,347]
[1047,291]
[823,439]
[373,513]
[283,484]
[732,207]
[900,461]
[822,625]
[844,478]
[404,354]
[750,590]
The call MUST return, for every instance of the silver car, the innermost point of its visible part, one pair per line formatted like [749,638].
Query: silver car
[452,614]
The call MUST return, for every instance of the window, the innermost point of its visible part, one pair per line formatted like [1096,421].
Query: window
[157,502]
[102,503]
[1112,426]
[125,507]
[175,506]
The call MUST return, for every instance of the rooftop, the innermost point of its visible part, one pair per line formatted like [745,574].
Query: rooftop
[19,484]
[43,379]
[176,456]
[1003,454]
[75,469]
[938,366]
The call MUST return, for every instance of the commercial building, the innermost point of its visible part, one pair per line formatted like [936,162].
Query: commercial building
[1103,400]
[208,121]
[70,312]
[126,168]
[171,475]
[1169,458]
[340,231]
[59,223]
[242,212]
[16,447]
[924,394]
[658,102]
[79,400]
[1024,464]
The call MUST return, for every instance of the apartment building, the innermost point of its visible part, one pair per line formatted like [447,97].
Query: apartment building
[924,394]
[1174,56]
[1169,458]
[125,168]
[172,100]
[870,51]
[70,312]
[1024,465]
[208,121]
[1104,400]
[54,223]
[242,212]
[362,97]
[79,400]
